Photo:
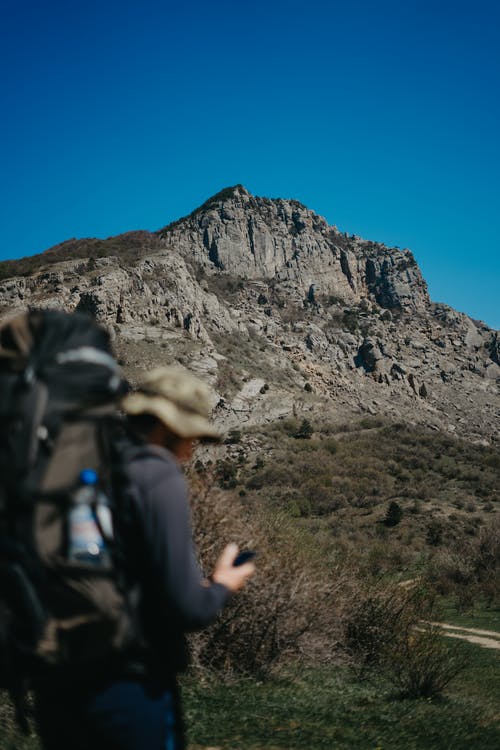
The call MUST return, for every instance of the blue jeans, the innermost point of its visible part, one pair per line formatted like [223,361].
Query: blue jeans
[122,715]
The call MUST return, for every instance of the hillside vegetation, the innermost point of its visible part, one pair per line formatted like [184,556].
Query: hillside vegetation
[128,247]
[340,481]
[326,648]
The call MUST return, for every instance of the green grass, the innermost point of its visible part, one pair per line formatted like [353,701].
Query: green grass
[479,683]
[479,616]
[325,708]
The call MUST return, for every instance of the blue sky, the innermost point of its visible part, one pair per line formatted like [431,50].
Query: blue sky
[382,116]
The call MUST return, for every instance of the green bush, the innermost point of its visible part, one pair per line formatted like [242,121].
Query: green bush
[394,514]
[226,472]
[233,438]
[305,431]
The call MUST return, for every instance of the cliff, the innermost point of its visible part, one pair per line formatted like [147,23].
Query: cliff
[281,312]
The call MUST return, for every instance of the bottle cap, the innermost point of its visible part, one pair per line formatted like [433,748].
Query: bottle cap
[88,476]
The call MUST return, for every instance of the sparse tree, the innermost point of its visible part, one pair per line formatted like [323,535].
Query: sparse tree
[305,430]
[434,535]
[394,514]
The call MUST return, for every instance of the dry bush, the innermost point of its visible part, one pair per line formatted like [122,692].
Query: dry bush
[470,570]
[420,663]
[487,552]
[369,625]
[287,608]
[387,629]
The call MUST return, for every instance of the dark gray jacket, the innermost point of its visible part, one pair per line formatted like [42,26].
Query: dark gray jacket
[174,598]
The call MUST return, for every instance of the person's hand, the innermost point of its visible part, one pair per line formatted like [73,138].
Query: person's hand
[233,578]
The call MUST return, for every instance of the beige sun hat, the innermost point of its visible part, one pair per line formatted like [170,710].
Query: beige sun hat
[178,399]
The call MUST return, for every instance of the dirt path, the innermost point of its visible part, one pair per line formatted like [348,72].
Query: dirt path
[485,638]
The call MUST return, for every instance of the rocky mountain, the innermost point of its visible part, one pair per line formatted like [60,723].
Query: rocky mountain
[281,312]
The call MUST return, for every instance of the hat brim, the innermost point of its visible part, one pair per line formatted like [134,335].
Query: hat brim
[181,422]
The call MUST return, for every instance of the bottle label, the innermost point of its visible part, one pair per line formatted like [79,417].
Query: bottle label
[85,541]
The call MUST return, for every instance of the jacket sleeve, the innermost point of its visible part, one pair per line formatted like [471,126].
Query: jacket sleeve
[163,505]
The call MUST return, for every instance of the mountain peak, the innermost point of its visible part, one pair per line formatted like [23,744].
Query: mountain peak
[252,237]
[249,289]
[226,194]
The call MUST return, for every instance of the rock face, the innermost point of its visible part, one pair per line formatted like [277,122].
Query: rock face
[282,313]
[240,235]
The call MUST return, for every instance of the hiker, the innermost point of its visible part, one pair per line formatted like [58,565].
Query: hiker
[167,413]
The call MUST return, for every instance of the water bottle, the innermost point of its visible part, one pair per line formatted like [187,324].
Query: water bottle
[90,513]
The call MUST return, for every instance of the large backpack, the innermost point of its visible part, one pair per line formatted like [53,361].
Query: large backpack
[59,388]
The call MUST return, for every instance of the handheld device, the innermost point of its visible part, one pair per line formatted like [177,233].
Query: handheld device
[244,557]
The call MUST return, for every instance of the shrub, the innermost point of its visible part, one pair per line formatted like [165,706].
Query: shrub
[394,514]
[420,664]
[330,445]
[305,430]
[226,472]
[369,625]
[388,629]
[350,320]
[470,570]
[434,535]
[233,438]
[289,597]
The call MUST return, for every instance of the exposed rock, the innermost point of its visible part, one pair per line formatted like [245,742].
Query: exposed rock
[493,347]
[249,237]
[492,371]
[282,314]
[370,355]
